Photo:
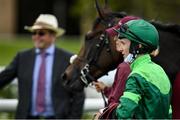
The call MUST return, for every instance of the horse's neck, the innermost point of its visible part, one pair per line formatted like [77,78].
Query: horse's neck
[169,57]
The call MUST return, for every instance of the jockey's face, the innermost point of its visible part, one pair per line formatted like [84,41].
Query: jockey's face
[123,46]
[43,38]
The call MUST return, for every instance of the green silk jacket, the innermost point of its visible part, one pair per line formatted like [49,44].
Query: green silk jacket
[147,93]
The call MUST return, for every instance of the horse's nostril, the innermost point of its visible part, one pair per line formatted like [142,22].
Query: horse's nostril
[64,76]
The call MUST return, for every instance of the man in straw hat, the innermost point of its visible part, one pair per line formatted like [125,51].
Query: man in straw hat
[40,90]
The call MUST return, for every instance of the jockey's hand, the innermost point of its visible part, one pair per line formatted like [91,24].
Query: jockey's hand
[96,116]
[100,86]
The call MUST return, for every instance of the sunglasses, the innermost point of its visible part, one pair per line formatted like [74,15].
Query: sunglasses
[39,33]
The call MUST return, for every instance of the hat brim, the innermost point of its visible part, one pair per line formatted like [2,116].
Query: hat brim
[58,31]
[111,31]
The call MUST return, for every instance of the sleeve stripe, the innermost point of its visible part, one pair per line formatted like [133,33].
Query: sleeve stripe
[132,96]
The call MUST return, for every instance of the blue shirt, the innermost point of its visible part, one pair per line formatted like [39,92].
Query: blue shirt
[49,111]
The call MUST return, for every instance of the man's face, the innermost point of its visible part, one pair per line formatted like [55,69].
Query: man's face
[43,38]
[123,46]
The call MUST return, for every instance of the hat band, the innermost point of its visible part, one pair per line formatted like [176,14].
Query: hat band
[44,25]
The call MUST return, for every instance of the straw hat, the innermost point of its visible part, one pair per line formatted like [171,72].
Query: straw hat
[46,21]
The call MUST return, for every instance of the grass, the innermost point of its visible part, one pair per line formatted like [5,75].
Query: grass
[10,46]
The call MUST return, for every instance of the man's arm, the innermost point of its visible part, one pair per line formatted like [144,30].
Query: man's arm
[9,73]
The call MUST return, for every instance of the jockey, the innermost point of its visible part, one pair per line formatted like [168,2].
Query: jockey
[148,89]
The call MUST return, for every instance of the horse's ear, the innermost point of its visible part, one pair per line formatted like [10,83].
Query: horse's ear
[99,9]
[102,11]
[106,3]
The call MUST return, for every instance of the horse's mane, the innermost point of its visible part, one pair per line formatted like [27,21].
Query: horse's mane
[170,27]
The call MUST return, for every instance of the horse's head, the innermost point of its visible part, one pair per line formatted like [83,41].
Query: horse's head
[96,56]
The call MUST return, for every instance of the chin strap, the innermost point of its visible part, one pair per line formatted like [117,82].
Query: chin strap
[130,58]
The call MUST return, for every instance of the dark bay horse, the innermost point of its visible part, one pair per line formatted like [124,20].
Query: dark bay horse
[98,55]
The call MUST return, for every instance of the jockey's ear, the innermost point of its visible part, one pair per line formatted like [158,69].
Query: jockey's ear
[140,45]
[155,52]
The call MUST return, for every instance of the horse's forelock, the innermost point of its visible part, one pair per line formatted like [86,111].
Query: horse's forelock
[96,22]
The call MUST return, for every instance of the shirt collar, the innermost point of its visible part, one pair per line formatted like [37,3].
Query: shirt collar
[141,60]
[50,50]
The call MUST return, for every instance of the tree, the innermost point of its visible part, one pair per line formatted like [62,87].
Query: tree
[161,10]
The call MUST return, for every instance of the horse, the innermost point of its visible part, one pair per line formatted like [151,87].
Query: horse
[92,62]
[98,54]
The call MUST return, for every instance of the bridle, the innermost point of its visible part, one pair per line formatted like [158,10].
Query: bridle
[85,75]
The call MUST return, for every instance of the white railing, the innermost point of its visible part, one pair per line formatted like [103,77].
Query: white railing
[8,105]
[91,104]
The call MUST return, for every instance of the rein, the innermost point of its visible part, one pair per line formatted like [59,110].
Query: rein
[85,75]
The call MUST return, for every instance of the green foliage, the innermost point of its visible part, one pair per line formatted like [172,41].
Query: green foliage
[161,10]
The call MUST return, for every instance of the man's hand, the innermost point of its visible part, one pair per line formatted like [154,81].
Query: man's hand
[100,86]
